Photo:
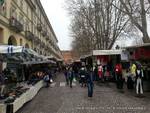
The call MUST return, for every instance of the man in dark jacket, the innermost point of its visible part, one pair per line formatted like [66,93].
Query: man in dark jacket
[90,81]
[70,75]
[82,74]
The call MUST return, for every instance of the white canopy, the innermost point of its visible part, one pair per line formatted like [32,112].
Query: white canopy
[11,49]
[106,52]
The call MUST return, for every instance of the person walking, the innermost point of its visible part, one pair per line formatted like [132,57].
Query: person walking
[95,73]
[133,69]
[66,74]
[82,74]
[100,72]
[46,80]
[70,75]
[90,82]
[139,76]
[129,79]
[118,71]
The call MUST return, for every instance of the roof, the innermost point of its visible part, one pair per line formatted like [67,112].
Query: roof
[39,62]
[85,56]
[4,49]
[9,53]
[140,45]
[106,52]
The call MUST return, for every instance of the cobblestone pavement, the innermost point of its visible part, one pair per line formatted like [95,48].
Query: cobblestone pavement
[60,98]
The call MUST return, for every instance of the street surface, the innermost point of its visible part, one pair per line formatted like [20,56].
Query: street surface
[60,98]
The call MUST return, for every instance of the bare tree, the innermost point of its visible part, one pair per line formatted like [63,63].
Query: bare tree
[137,11]
[110,22]
[96,24]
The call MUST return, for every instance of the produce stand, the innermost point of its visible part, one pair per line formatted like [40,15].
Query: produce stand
[141,54]
[22,89]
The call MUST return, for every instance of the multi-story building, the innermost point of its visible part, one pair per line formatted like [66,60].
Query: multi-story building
[67,56]
[25,23]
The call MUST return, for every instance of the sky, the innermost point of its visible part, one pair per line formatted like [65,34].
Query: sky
[59,20]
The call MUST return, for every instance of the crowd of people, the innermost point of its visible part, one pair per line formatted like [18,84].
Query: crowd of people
[87,74]
[84,75]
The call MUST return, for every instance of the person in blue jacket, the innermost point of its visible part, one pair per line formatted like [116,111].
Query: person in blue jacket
[70,75]
[90,83]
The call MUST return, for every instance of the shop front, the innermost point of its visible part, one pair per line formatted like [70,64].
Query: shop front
[141,54]
[23,71]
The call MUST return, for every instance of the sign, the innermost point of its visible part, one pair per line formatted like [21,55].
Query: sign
[124,56]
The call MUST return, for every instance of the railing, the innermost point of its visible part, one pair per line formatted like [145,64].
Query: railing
[15,25]
[36,39]
[47,37]
[44,33]
[29,35]
[39,27]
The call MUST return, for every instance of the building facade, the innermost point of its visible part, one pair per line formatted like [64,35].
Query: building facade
[67,57]
[25,23]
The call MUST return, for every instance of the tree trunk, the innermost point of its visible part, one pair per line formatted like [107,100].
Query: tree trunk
[144,22]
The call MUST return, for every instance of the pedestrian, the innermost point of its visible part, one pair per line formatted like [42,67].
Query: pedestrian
[100,72]
[133,68]
[90,81]
[130,82]
[82,74]
[139,76]
[75,70]
[46,80]
[70,75]
[95,73]
[119,77]
[66,75]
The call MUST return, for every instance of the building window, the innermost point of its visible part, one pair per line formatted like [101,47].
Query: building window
[13,12]
[21,4]
[27,10]
[27,25]
[20,42]
[21,19]
[3,8]
[16,1]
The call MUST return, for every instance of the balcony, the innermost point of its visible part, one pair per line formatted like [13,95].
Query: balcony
[47,47]
[15,25]
[42,45]
[36,39]
[29,35]
[39,27]
[44,33]
[47,37]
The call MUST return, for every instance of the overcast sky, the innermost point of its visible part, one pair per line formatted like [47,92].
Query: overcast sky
[59,20]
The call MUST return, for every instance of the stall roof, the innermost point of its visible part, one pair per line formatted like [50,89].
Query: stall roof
[136,46]
[4,49]
[106,52]
[39,62]
[85,56]
[19,53]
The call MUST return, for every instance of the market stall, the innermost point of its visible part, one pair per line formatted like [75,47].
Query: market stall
[21,84]
[141,54]
[108,59]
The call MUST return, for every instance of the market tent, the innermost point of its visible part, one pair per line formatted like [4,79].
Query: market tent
[11,49]
[106,52]
[18,53]
[39,62]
